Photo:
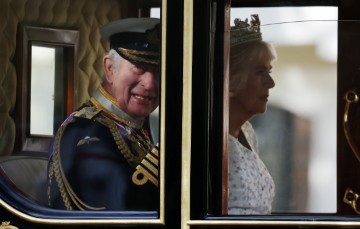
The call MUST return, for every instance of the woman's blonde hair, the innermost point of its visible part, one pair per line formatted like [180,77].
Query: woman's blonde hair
[241,56]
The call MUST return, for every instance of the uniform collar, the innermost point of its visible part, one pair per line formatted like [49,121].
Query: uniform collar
[103,100]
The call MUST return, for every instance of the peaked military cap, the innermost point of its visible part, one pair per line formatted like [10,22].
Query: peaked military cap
[135,39]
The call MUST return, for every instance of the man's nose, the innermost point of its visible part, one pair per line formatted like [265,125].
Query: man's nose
[148,80]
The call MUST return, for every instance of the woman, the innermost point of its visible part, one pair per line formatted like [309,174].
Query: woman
[251,187]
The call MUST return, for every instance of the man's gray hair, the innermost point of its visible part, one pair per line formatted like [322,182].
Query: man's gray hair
[115,57]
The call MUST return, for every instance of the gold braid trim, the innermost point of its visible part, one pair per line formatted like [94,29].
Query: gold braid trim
[63,184]
[139,52]
[133,55]
[56,169]
[147,169]
[141,175]
[114,116]
[120,142]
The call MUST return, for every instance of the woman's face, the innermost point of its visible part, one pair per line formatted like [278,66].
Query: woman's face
[253,96]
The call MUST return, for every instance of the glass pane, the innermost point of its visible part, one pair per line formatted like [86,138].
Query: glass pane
[42,90]
[51,88]
[297,133]
[110,131]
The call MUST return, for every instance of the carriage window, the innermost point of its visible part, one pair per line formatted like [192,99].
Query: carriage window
[48,78]
[297,133]
[56,77]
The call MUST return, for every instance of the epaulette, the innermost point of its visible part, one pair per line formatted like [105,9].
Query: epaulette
[87,112]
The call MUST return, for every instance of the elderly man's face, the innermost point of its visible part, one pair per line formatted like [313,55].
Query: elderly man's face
[136,88]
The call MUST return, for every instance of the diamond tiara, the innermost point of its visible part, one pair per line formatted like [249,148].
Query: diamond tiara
[243,32]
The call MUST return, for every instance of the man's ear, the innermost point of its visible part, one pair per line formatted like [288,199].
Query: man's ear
[108,68]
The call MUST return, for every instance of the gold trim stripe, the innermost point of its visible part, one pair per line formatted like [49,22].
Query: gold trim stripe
[115,221]
[163,109]
[186,112]
[150,167]
[116,117]
[132,54]
[148,175]
[270,223]
[109,97]
[155,151]
[153,160]
[91,222]
[138,52]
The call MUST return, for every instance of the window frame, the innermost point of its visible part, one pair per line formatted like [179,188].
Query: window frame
[197,209]
[22,208]
[49,37]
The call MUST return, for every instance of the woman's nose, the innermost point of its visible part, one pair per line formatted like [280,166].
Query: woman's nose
[270,83]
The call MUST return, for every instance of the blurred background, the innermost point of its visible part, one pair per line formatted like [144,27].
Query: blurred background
[297,134]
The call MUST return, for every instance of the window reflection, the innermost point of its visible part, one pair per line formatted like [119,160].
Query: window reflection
[42,90]
[301,156]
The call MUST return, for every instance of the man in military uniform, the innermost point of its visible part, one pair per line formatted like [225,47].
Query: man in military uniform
[102,158]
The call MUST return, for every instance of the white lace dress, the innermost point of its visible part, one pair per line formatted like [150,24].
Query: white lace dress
[251,187]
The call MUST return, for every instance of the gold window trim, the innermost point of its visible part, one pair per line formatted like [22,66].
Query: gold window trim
[140,221]
[186,221]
